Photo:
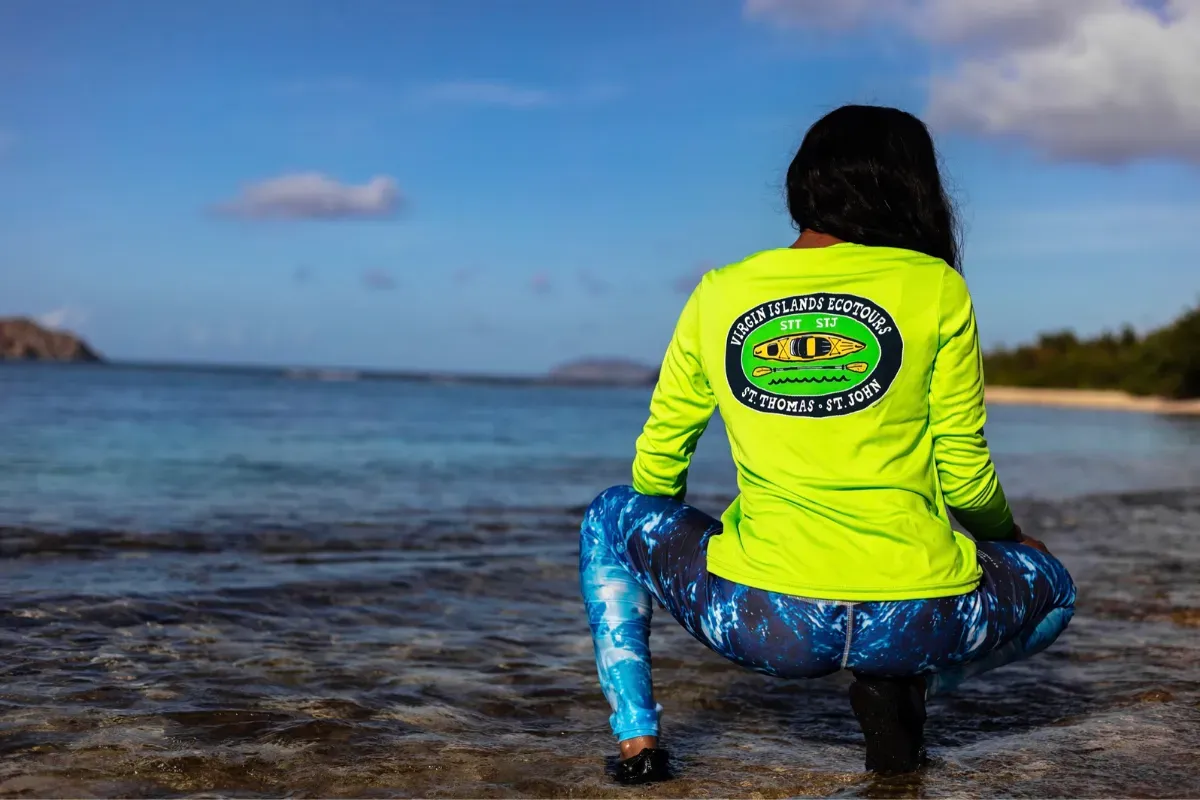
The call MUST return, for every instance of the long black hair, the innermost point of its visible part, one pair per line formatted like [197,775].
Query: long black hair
[869,175]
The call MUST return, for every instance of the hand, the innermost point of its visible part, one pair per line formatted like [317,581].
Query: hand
[1021,538]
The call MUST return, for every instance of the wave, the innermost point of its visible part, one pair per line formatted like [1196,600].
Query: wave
[822,379]
[433,530]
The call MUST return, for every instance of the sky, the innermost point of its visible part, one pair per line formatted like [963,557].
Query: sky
[498,187]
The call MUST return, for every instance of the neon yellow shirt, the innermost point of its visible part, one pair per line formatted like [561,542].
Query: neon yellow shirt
[850,382]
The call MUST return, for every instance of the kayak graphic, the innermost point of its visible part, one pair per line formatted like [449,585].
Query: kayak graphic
[808,347]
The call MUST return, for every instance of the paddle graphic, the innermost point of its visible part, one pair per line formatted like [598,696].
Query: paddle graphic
[857,366]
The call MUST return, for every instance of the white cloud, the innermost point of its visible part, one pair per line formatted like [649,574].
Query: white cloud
[1121,84]
[1098,80]
[941,21]
[486,93]
[63,318]
[1012,23]
[312,195]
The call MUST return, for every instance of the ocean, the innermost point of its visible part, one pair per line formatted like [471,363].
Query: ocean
[262,584]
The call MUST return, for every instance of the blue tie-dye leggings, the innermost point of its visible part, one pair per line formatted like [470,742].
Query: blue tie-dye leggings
[634,548]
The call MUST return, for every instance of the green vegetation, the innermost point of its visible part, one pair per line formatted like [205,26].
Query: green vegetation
[1165,362]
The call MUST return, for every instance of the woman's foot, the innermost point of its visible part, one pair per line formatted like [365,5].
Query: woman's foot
[891,712]
[642,761]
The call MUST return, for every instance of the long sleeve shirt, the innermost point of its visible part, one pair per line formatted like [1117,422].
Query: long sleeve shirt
[850,382]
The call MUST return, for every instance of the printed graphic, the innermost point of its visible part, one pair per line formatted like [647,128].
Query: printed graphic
[816,355]
[807,347]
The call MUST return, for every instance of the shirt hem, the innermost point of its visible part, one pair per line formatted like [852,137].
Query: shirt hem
[853,594]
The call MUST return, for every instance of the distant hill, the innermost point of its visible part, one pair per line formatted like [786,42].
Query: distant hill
[604,371]
[24,340]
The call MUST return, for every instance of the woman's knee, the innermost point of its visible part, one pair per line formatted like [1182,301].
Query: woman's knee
[604,513]
[1041,574]
[1063,611]
[603,528]
[614,497]
[1062,585]
[1068,599]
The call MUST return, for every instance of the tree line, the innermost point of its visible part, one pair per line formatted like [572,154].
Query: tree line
[1164,362]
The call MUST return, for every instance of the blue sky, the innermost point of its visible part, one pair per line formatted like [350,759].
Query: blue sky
[499,187]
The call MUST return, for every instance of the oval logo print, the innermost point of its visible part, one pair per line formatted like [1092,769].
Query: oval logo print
[813,355]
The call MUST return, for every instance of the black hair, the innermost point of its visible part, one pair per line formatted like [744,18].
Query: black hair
[869,175]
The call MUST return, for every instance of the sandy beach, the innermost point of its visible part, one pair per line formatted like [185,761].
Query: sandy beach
[1085,398]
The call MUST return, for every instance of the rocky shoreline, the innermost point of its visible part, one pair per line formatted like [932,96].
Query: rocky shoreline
[250,698]
[23,339]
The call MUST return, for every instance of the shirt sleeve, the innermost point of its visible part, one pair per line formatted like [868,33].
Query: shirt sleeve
[680,409]
[957,415]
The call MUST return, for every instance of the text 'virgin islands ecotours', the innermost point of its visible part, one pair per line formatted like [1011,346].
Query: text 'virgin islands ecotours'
[814,355]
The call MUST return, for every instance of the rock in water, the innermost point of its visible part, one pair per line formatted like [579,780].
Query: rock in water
[605,371]
[25,340]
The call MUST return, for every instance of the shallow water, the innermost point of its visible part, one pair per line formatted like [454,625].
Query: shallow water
[386,604]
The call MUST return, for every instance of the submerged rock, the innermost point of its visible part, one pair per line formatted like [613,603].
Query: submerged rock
[1188,617]
[24,340]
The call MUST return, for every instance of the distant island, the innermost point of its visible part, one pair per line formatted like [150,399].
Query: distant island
[23,339]
[1157,372]
[604,371]
[1163,363]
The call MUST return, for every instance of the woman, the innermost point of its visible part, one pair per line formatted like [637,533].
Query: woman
[848,374]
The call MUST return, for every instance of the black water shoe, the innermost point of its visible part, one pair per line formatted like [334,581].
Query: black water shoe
[891,712]
[648,766]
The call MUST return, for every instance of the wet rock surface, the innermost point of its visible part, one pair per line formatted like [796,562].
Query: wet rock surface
[453,660]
